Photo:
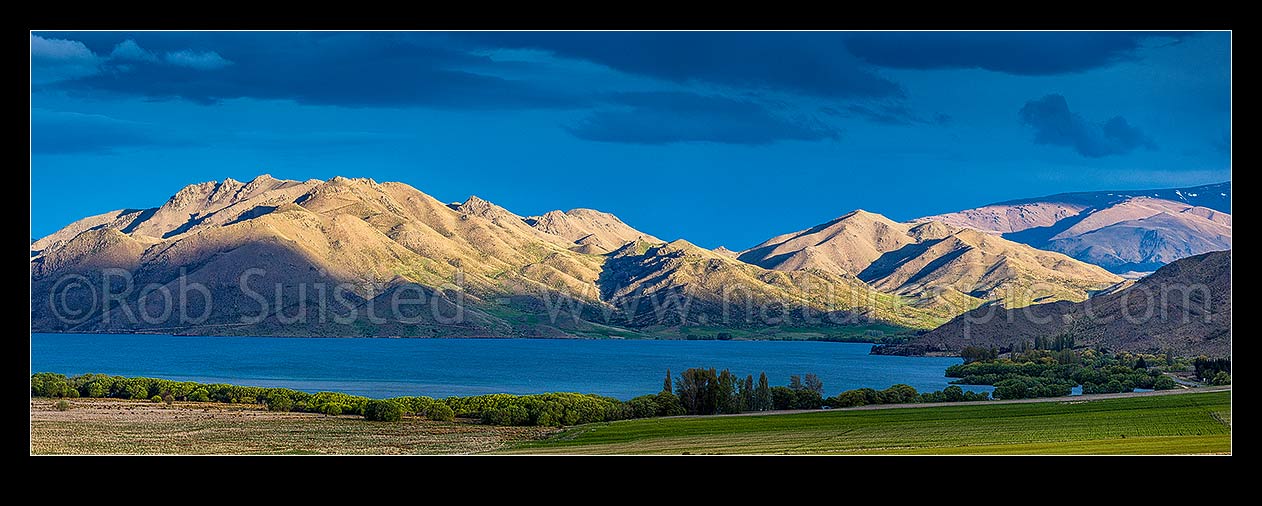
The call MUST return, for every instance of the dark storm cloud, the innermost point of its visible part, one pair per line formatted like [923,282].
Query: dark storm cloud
[342,69]
[1055,124]
[814,64]
[672,117]
[1021,53]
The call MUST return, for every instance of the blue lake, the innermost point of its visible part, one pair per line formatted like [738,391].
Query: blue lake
[443,367]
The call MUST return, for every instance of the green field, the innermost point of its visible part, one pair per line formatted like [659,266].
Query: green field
[1168,424]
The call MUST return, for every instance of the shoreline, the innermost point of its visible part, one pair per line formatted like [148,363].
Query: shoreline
[485,338]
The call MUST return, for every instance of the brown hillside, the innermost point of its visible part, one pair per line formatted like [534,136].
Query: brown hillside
[1184,307]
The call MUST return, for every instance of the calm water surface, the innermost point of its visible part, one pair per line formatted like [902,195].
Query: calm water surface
[443,367]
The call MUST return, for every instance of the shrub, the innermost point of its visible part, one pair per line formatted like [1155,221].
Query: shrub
[279,402]
[781,398]
[1163,383]
[47,384]
[440,412]
[62,405]
[156,399]
[847,399]
[134,390]
[199,395]
[383,411]
[95,389]
[668,404]
[806,399]
[168,398]
[1221,378]
[644,406]
[414,405]
[898,394]
[332,409]
[517,415]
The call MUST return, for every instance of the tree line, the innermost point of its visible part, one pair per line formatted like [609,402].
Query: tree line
[696,391]
[707,392]
[1055,371]
[1215,371]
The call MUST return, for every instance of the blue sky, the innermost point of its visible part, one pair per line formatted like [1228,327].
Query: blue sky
[720,138]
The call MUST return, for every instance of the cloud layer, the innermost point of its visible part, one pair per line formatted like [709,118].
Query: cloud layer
[667,117]
[1020,53]
[351,70]
[725,87]
[814,64]
[1056,125]
[56,59]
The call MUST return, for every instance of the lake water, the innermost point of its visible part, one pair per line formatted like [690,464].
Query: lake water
[443,367]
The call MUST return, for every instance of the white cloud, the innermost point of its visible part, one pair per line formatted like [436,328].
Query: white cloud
[130,50]
[208,60]
[58,59]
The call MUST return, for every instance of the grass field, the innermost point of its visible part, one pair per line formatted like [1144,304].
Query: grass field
[1171,424]
[1167,424]
[115,426]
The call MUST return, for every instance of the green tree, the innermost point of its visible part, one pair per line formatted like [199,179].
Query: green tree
[277,401]
[762,394]
[972,354]
[47,384]
[726,399]
[668,404]
[644,406]
[806,399]
[782,397]
[814,384]
[698,391]
[382,411]
[440,412]
[134,390]
[795,382]
[666,385]
[1163,382]
[1222,378]
[747,393]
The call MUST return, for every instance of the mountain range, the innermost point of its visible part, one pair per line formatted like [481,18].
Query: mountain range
[1127,232]
[931,262]
[1184,308]
[283,257]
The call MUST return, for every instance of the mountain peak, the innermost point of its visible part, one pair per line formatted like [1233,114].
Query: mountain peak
[581,212]
[192,193]
[343,180]
[578,223]
[477,206]
[860,213]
